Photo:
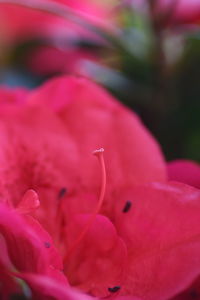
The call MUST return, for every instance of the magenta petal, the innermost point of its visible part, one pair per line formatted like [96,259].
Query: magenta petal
[185,171]
[162,234]
[36,153]
[27,243]
[98,261]
[95,119]
[55,265]
[29,202]
[46,288]
[10,98]
[190,293]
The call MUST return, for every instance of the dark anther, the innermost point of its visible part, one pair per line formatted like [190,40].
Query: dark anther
[114,289]
[194,294]
[47,244]
[62,193]
[127,206]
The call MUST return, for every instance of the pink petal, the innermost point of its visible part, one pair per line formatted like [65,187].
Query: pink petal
[12,97]
[16,25]
[48,289]
[162,233]
[23,245]
[185,11]
[127,298]
[26,244]
[95,119]
[55,268]
[29,202]
[9,284]
[191,292]
[98,260]
[36,153]
[185,171]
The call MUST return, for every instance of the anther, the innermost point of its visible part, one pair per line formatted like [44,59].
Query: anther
[62,193]
[47,244]
[127,206]
[59,211]
[98,151]
[99,154]
[114,289]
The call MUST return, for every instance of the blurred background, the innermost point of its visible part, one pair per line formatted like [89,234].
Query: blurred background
[146,52]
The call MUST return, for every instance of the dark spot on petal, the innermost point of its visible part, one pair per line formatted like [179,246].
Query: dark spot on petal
[114,289]
[47,244]
[194,294]
[127,206]
[62,193]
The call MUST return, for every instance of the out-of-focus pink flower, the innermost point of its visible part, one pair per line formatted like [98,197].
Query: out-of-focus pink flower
[27,253]
[51,60]
[181,11]
[38,133]
[172,12]
[185,171]
[19,23]
[142,240]
[25,247]
[59,36]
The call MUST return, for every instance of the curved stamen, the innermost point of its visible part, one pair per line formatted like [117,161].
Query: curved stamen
[99,154]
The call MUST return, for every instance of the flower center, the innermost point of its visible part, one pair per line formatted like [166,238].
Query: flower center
[99,154]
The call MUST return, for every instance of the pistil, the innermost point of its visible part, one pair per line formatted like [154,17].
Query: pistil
[99,154]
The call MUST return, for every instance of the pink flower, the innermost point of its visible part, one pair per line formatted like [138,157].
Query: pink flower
[139,241]
[182,11]
[173,13]
[21,22]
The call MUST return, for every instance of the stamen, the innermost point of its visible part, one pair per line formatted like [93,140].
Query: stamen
[99,154]
[127,206]
[114,289]
[62,193]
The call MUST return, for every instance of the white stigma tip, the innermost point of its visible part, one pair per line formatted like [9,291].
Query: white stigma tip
[95,152]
